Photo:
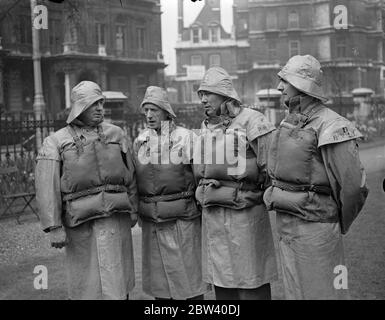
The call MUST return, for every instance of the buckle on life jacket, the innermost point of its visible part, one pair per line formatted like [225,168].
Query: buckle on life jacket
[87,192]
[241,185]
[287,186]
[168,197]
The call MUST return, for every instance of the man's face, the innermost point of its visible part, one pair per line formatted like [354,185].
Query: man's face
[288,91]
[93,115]
[211,102]
[154,116]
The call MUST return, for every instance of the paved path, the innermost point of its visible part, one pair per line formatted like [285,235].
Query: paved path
[373,158]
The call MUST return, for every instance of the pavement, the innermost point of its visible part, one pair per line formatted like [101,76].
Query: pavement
[373,156]
[371,144]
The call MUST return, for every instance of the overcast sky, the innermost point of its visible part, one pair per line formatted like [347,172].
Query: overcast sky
[191,11]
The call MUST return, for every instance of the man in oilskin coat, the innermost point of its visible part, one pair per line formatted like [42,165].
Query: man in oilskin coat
[318,184]
[87,198]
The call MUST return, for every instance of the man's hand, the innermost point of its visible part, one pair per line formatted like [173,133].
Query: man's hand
[134,219]
[58,238]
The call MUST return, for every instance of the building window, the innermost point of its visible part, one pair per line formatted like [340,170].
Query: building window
[100,34]
[25,28]
[141,82]
[73,34]
[120,45]
[271,21]
[242,59]
[196,60]
[196,35]
[140,38]
[293,20]
[55,33]
[341,48]
[383,20]
[341,82]
[214,34]
[294,48]
[272,50]
[242,25]
[215,60]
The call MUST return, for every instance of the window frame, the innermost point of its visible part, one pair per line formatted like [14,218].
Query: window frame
[197,37]
[100,33]
[55,32]
[211,56]
[271,16]
[195,56]
[272,47]
[140,38]
[214,30]
[341,47]
[123,28]
[24,29]
[291,42]
[291,20]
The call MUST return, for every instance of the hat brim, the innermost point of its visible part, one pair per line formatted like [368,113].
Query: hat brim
[164,105]
[77,111]
[233,94]
[304,85]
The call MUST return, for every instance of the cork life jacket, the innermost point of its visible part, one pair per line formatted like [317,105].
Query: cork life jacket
[221,180]
[300,185]
[166,187]
[93,180]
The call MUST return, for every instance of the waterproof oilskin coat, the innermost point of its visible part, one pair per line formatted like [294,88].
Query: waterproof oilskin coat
[166,189]
[99,254]
[237,242]
[171,224]
[97,169]
[300,181]
[85,182]
[217,186]
[94,176]
[318,189]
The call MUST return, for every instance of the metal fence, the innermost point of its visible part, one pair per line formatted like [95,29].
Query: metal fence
[21,135]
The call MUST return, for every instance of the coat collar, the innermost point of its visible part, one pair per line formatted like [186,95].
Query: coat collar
[301,104]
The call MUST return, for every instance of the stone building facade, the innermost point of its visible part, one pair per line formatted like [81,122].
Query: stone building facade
[202,45]
[266,33]
[114,43]
[351,55]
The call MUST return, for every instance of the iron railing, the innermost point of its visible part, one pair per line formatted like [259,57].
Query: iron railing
[21,135]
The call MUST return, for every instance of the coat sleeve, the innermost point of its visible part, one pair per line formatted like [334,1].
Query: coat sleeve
[260,147]
[347,179]
[132,186]
[47,185]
